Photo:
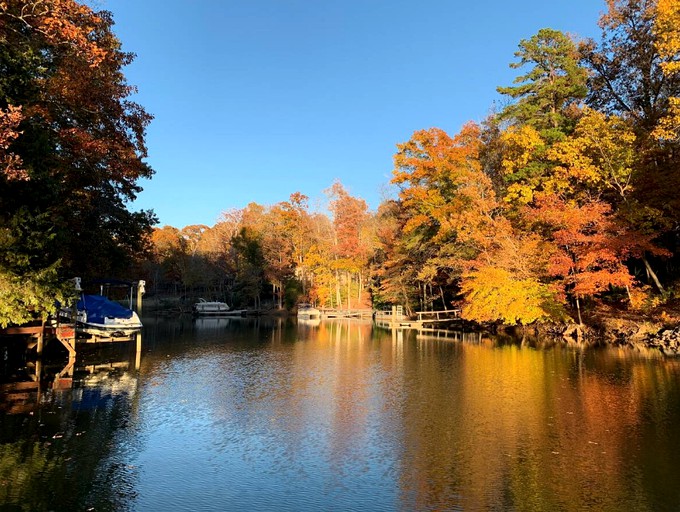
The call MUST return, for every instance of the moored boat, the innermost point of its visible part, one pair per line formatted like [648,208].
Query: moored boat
[97,315]
[307,311]
[204,307]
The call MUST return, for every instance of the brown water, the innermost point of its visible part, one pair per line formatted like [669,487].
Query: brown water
[236,414]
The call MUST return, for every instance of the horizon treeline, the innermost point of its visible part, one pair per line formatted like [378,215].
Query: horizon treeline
[564,200]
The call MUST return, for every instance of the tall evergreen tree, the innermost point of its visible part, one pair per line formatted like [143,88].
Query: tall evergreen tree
[554,83]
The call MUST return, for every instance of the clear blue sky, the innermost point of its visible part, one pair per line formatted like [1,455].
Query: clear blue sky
[256,99]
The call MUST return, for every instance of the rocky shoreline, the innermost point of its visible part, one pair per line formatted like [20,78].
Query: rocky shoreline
[665,340]
[643,335]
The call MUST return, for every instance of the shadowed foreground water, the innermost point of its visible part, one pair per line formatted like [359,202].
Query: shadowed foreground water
[236,414]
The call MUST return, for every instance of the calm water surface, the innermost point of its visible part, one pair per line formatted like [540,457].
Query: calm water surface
[236,414]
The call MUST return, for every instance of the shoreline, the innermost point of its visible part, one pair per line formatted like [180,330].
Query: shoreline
[639,334]
[607,328]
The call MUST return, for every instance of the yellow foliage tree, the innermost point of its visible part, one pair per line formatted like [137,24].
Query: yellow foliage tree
[496,295]
[523,165]
[667,42]
[598,157]
[667,34]
[505,284]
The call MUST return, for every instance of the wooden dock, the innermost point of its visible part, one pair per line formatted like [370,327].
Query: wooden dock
[23,395]
[423,321]
[346,313]
[37,336]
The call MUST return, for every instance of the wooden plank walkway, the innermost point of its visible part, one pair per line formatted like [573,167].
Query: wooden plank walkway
[434,317]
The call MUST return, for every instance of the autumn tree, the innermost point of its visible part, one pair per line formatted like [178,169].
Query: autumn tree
[71,145]
[667,41]
[591,246]
[634,76]
[217,253]
[448,199]
[446,211]
[396,262]
[169,257]
[508,284]
[350,244]
[627,69]
[200,272]
[524,165]
[450,230]
[319,266]
[547,104]
[250,267]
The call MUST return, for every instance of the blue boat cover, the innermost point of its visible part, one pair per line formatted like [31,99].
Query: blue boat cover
[99,307]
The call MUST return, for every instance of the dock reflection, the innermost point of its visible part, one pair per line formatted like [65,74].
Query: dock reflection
[33,382]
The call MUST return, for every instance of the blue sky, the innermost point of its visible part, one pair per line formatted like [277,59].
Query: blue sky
[256,99]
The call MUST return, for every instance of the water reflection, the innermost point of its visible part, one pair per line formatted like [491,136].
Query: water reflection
[59,442]
[272,413]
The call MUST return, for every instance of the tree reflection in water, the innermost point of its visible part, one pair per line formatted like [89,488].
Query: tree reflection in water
[265,414]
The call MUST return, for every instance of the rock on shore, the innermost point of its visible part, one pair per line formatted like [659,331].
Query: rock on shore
[665,340]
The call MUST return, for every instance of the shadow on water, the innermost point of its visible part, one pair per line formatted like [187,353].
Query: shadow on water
[276,414]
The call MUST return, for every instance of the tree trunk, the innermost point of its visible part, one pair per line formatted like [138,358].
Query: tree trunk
[338,298]
[578,310]
[651,273]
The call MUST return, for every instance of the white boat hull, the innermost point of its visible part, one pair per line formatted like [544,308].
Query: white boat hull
[113,327]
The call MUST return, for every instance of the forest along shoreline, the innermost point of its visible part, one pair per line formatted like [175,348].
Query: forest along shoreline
[557,211]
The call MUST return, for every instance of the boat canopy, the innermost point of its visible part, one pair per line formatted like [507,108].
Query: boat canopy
[99,307]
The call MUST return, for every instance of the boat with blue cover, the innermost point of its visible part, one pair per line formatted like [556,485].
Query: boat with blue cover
[97,315]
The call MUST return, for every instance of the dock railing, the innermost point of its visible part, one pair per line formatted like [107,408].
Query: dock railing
[443,315]
[396,314]
[345,313]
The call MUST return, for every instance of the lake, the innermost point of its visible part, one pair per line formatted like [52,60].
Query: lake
[270,414]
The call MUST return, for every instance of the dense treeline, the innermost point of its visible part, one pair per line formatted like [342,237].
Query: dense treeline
[563,200]
[275,254]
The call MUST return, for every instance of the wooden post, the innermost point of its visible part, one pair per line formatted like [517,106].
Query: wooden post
[140,292]
[138,355]
[41,338]
[38,372]
[394,314]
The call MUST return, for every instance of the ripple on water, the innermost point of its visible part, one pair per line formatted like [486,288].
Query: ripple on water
[347,418]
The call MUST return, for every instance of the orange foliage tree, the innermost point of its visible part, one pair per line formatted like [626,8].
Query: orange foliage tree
[351,245]
[591,246]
